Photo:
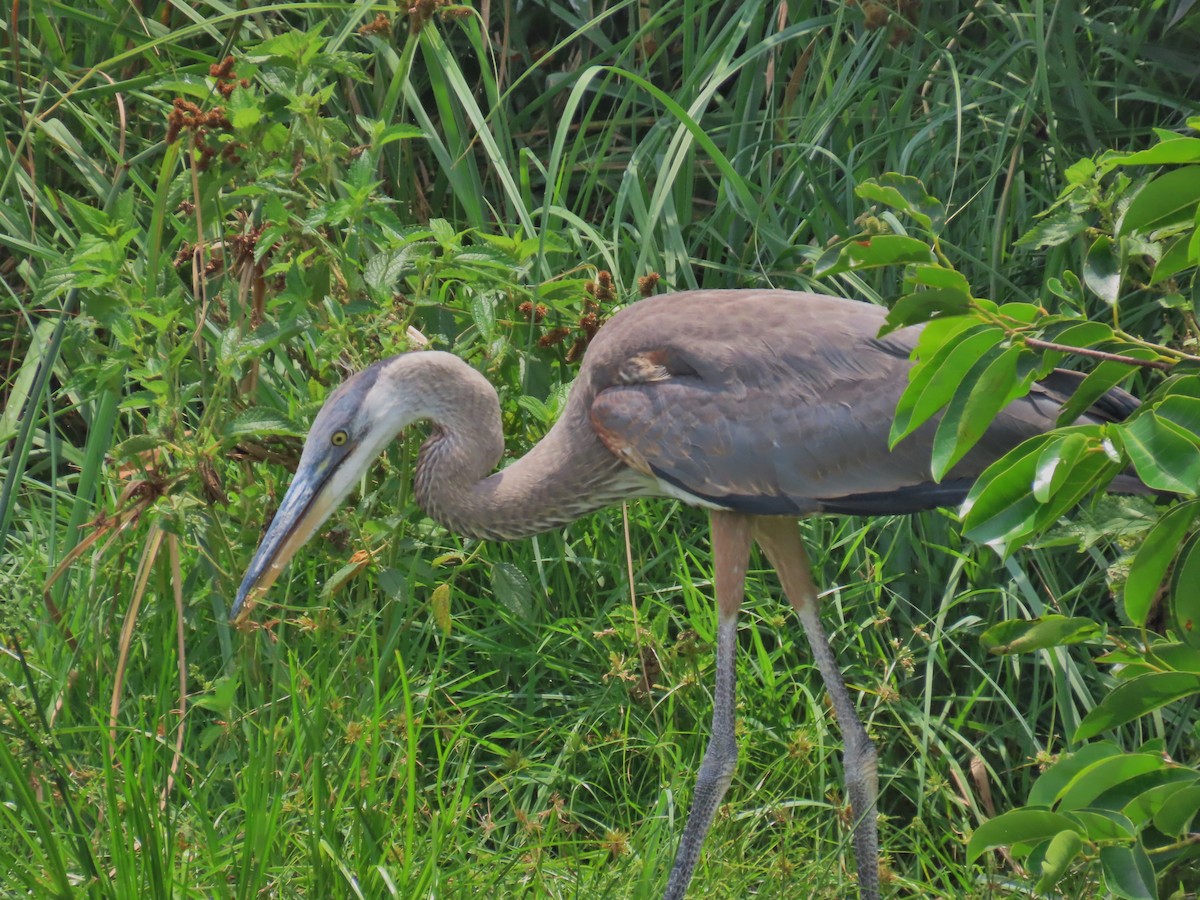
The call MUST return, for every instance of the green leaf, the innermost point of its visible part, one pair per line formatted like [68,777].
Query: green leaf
[1170,198]
[1105,774]
[937,276]
[1060,853]
[1102,270]
[1099,825]
[1054,463]
[1128,872]
[511,588]
[1150,563]
[921,306]
[1178,810]
[1099,382]
[259,421]
[1051,783]
[986,388]
[871,251]
[1057,228]
[1185,596]
[907,194]
[1023,636]
[1181,410]
[1181,149]
[1018,826]
[1135,698]
[933,382]
[1162,454]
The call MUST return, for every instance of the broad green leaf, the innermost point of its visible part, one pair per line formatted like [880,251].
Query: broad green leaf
[1128,872]
[1051,783]
[1055,463]
[1074,333]
[1178,810]
[871,251]
[1060,853]
[932,383]
[1185,596]
[1135,698]
[982,393]
[1150,563]
[921,306]
[1001,509]
[1183,411]
[1102,270]
[1099,825]
[1023,636]
[259,420]
[1169,198]
[1024,826]
[1176,257]
[907,194]
[1105,774]
[1180,149]
[511,588]
[1164,457]
[936,276]
[1100,381]
[1057,228]
[1150,795]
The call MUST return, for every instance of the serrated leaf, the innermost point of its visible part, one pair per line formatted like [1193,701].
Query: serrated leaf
[259,420]
[1060,226]
[512,589]
[1024,826]
[1185,597]
[1150,563]
[1102,270]
[1128,872]
[1135,698]
[1023,636]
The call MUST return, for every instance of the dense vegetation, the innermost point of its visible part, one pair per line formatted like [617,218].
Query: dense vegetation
[211,215]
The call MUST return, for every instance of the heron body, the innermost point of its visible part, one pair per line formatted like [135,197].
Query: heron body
[760,406]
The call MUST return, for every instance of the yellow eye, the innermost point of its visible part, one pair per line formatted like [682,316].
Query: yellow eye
[338,438]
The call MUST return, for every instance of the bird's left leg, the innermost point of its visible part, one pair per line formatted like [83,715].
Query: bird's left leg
[731,555]
[780,539]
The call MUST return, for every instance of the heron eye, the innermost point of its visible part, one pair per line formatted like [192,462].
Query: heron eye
[338,438]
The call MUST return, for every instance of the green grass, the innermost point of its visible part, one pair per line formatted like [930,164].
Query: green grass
[459,719]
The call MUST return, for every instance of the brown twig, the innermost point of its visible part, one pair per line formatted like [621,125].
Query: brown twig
[1159,364]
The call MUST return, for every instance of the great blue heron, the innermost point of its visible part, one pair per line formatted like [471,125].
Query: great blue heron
[760,406]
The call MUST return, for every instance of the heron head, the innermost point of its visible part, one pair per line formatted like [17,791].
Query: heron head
[361,417]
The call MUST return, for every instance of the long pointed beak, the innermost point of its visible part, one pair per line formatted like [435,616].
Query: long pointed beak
[306,505]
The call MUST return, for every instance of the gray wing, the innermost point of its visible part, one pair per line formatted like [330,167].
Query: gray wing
[791,416]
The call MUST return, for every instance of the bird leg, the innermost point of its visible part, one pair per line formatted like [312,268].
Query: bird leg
[731,554]
[780,540]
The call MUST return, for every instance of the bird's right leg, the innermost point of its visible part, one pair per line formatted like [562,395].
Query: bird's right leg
[731,555]
[780,540]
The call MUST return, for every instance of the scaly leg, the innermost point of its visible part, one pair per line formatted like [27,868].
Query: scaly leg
[780,540]
[731,554]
